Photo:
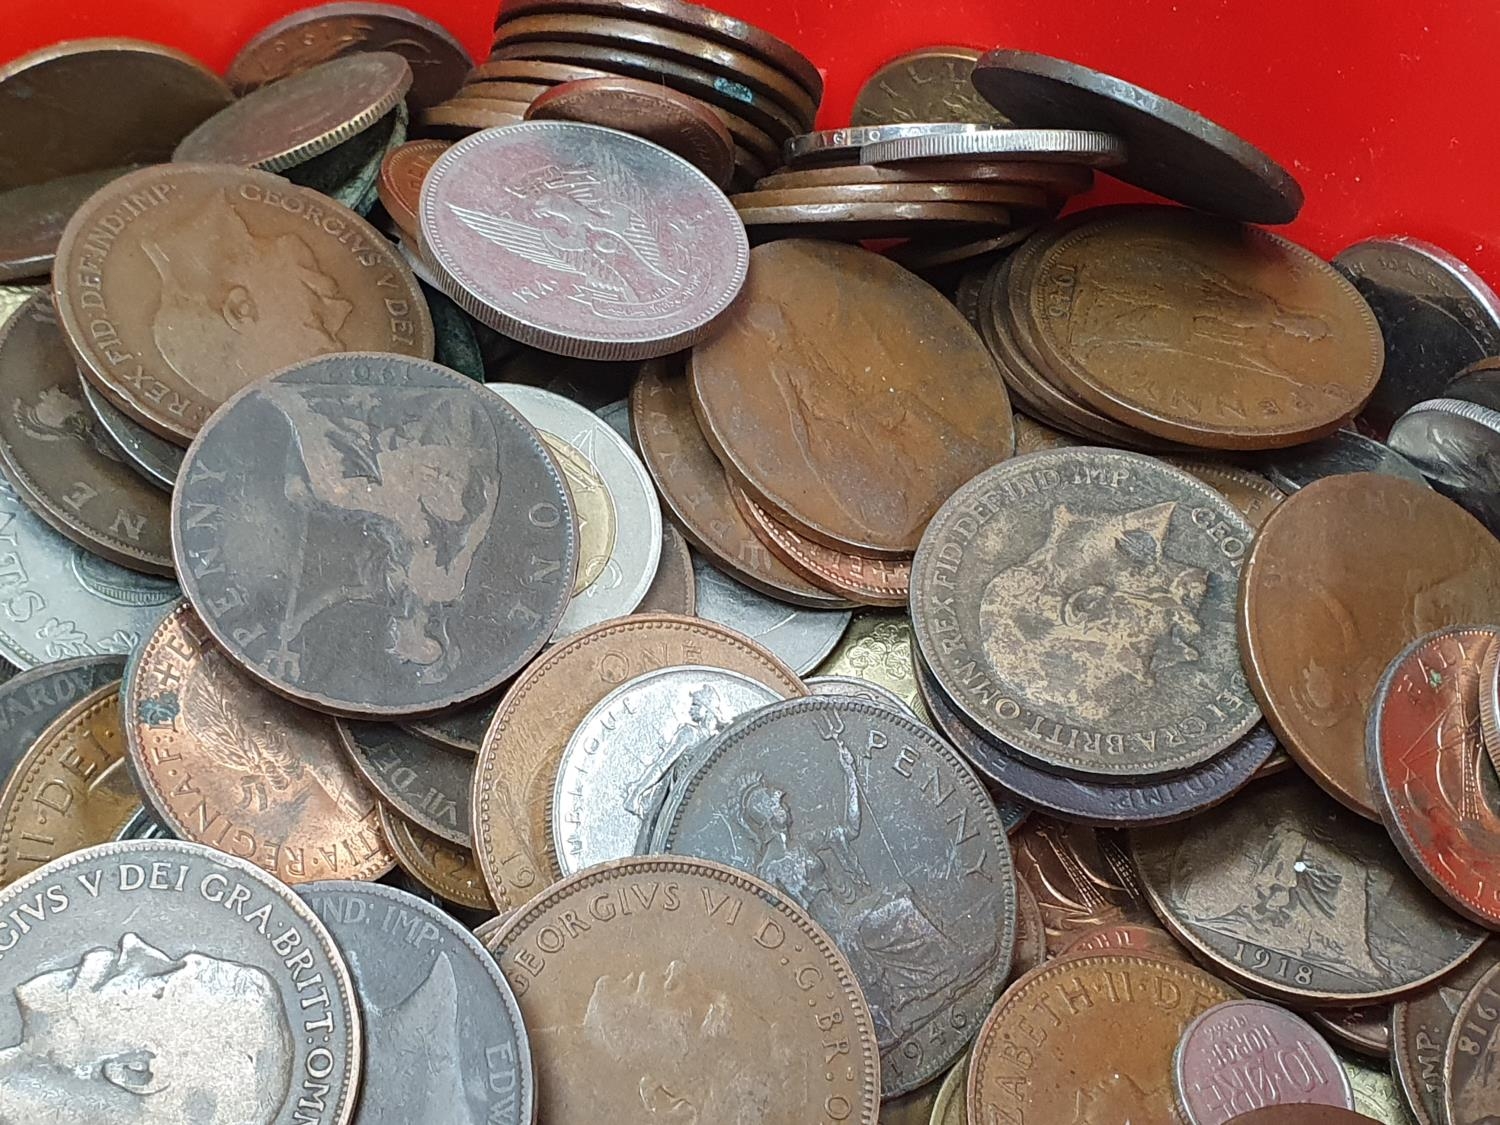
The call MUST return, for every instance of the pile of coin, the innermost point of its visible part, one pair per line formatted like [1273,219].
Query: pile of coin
[509,634]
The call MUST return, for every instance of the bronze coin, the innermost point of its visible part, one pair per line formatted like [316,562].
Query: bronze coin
[1200,330]
[848,396]
[455,120]
[1251,493]
[1366,1030]
[1033,437]
[1030,948]
[932,84]
[1472,1096]
[488,105]
[297,118]
[61,461]
[696,492]
[517,768]
[1081,877]
[426,784]
[88,104]
[1304,902]
[70,791]
[224,762]
[446,869]
[690,989]
[1342,576]
[940,257]
[227,275]
[1125,937]
[1089,1038]
[523,70]
[1054,179]
[32,219]
[1420,1026]
[506,91]
[862,221]
[1303,1115]
[674,589]
[402,174]
[677,122]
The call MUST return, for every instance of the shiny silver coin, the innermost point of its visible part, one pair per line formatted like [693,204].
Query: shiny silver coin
[1061,146]
[842,146]
[444,1043]
[800,637]
[166,982]
[1456,444]
[153,456]
[852,687]
[63,601]
[619,518]
[29,701]
[1342,452]
[424,782]
[620,759]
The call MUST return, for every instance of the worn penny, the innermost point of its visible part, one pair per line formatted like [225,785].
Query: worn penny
[402,173]
[1420,1026]
[1125,937]
[1311,1114]
[424,782]
[1251,493]
[30,701]
[444,868]
[1472,1096]
[1342,576]
[675,589]
[927,85]
[219,277]
[32,219]
[1081,877]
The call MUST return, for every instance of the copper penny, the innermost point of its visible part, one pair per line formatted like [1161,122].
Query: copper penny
[402,173]
[674,589]
[455,120]
[1030,949]
[1341,577]
[224,762]
[297,118]
[1304,1115]
[223,275]
[1054,179]
[848,396]
[88,104]
[1125,937]
[70,790]
[484,103]
[1081,877]
[1472,1096]
[524,70]
[32,219]
[1299,899]
[1200,330]
[1420,1026]
[446,869]
[686,984]
[657,113]
[1366,1030]
[696,492]
[426,784]
[1088,1039]
[504,91]
[518,761]
[932,84]
[59,458]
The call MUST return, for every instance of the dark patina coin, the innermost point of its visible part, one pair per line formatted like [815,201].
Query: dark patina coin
[1420,1026]
[1473,1093]
[933,84]
[1339,454]
[443,1035]
[381,504]
[152,455]
[1456,445]
[32,219]
[426,783]
[851,810]
[30,701]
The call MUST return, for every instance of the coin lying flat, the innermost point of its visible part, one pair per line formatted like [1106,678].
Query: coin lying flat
[801,637]
[31,701]
[1341,453]
[167,981]
[1456,445]
[927,85]
[426,783]
[32,219]
[684,983]
[407,504]
[1420,1026]
[152,455]
[445,869]
[1125,937]
[1472,1096]
[443,1034]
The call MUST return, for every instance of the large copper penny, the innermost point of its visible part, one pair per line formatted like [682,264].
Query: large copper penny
[402,174]
[1342,576]
[1420,1026]
[425,783]
[1472,1096]
[1251,493]
[224,762]
[1435,787]
[1200,330]
[31,701]
[1302,901]
[179,285]
[32,219]
[1081,878]
[88,104]
[848,396]
[446,869]
[1088,1039]
[517,768]
[683,989]
[70,791]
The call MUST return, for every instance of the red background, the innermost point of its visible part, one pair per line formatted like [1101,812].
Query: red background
[1385,109]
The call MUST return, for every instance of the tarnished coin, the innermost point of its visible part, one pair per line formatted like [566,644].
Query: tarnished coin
[1341,577]
[87,104]
[1078,605]
[447,870]
[58,460]
[443,1035]
[1091,1037]
[1375,1095]
[1489,703]
[1298,898]
[150,454]
[32,219]
[454,120]
[1420,1026]
[31,701]
[1063,146]
[619,519]
[1312,1114]
[582,240]
[855,688]
[854,437]
[290,121]
[1456,445]
[618,759]
[1472,1096]
[671,982]
[1246,1054]
[927,85]
[675,589]
[328,31]
[1478,383]
[1125,937]
[12,297]
[222,761]
[426,783]
[877,648]
[411,507]
[848,809]
[1436,314]
[228,275]
[801,637]
[1341,453]
[61,601]
[841,146]
[70,790]
[348,172]
[1081,878]
[1031,933]
[1251,493]
[951,1107]
[1366,1030]
[1171,150]
[157,981]
[143,825]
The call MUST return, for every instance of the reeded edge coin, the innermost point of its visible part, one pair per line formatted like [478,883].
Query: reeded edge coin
[1065,146]
[840,144]
[1489,704]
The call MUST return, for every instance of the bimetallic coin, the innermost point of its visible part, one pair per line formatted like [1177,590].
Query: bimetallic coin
[932,84]
[1456,445]
[31,701]
[151,455]
[801,637]
[197,988]
[1341,453]
[425,783]
[1420,1026]
[442,868]
[852,687]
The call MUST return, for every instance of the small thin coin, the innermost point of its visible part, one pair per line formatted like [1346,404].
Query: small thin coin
[454,120]
[932,84]
[446,869]
[1420,1026]
[31,701]
[1006,195]
[1062,146]
[801,637]
[1472,1096]
[1366,1030]
[1456,445]
[425,783]
[877,648]
[150,454]
[402,173]
[1343,452]
[675,589]
[1055,179]
[861,221]
[32,219]
[841,146]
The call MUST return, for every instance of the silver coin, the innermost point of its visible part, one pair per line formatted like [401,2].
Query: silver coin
[58,600]
[425,783]
[1457,446]
[841,146]
[617,414]
[29,701]
[619,759]
[852,687]
[1342,452]
[881,832]
[1436,314]
[444,1043]
[800,637]
[156,458]
[161,983]
[1062,146]
[619,518]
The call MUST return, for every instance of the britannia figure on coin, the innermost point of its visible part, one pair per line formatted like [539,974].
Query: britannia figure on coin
[119,1036]
[705,718]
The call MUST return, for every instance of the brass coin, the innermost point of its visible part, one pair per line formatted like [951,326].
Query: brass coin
[1375,1095]
[932,84]
[876,647]
[951,1107]
[447,870]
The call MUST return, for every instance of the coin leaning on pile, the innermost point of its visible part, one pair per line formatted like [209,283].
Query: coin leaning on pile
[530,613]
